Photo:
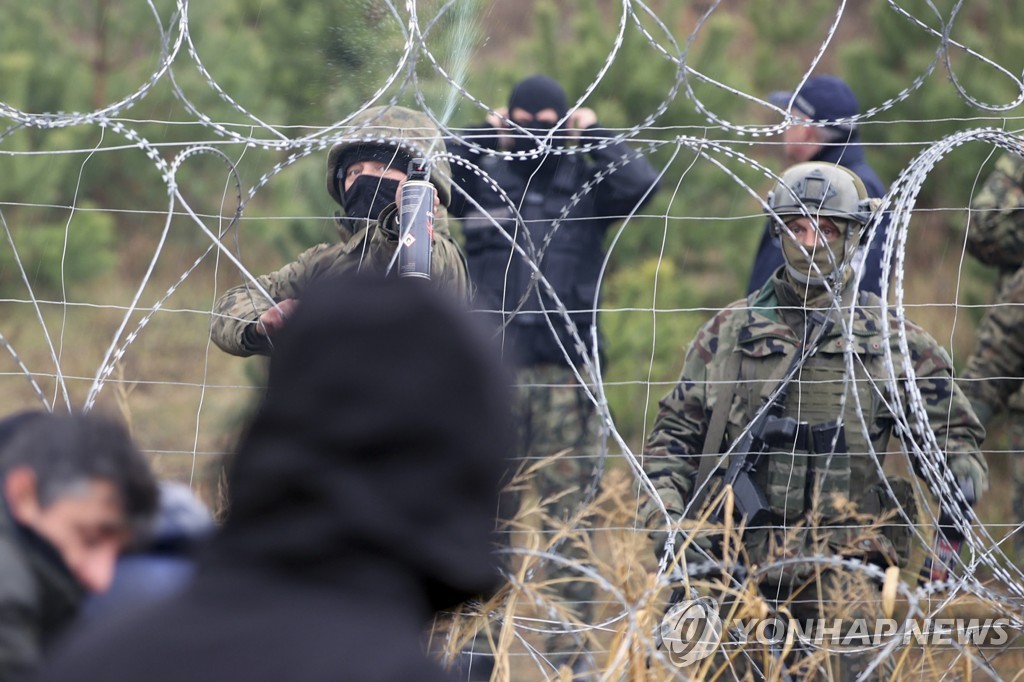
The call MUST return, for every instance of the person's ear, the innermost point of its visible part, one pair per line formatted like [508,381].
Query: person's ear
[21,491]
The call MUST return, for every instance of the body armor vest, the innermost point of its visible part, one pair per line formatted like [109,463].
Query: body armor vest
[800,476]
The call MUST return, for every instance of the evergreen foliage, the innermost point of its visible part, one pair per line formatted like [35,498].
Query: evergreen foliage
[304,66]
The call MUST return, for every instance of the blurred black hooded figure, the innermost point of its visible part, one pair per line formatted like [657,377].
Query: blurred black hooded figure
[363,499]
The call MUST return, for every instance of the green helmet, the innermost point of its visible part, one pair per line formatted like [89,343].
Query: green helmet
[820,190]
[410,131]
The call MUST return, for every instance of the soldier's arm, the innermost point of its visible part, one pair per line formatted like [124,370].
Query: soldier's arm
[672,453]
[236,313]
[996,234]
[448,266]
[995,369]
[484,135]
[957,429]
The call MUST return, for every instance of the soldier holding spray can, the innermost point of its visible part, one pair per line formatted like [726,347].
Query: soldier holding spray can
[416,221]
[366,176]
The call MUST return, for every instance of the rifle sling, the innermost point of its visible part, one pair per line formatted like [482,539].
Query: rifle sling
[716,428]
[724,394]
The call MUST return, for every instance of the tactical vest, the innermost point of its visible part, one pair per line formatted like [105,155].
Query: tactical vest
[569,253]
[801,477]
[794,479]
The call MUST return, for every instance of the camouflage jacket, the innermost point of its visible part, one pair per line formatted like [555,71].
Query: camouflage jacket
[234,321]
[995,368]
[996,234]
[823,390]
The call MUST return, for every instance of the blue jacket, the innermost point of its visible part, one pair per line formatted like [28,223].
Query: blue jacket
[769,254]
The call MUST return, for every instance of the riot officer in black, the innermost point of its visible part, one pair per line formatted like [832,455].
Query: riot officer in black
[552,182]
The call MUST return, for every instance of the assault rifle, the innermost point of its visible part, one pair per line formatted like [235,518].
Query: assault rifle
[769,429]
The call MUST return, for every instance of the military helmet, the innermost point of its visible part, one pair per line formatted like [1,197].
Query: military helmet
[820,189]
[412,132]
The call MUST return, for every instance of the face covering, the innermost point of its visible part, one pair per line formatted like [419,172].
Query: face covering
[366,198]
[524,143]
[814,265]
[532,95]
[545,163]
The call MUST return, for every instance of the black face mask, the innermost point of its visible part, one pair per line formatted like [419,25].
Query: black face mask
[523,143]
[366,198]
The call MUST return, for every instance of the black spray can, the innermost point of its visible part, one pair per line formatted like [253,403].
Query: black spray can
[416,222]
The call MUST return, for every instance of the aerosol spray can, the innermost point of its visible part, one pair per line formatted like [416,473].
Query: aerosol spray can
[416,222]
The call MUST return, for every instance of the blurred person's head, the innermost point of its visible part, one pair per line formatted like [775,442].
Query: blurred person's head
[821,99]
[537,102]
[380,443]
[79,483]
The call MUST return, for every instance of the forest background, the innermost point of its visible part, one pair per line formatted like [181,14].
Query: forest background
[86,208]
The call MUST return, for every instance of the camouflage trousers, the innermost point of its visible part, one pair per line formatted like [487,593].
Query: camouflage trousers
[561,437]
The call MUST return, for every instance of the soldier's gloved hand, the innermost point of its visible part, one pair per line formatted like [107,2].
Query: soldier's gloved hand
[971,477]
[967,466]
[696,547]
[659,528]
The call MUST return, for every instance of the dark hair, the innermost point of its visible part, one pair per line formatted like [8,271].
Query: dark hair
[67,450]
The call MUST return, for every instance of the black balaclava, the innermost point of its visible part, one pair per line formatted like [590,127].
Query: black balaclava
[532,95]
[369,194]
[366,198]
[379,448]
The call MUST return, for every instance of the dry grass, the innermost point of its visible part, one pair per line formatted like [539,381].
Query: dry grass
[183,398]
[620,563]
[185,401]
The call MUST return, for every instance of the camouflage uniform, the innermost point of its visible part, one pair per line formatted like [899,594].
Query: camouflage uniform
[996,237]
[994,376]
[823,499]
[555,417]
[372,248]
[762,332]
[558,209]
[808,492]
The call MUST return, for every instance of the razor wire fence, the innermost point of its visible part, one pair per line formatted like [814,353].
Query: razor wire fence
[127,216]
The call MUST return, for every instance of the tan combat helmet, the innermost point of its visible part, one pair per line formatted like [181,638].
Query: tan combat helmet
[818,189]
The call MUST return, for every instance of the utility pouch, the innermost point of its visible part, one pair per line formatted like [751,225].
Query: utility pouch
[895,529]
[787,482]
[830,481]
